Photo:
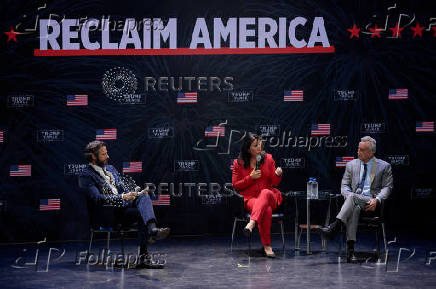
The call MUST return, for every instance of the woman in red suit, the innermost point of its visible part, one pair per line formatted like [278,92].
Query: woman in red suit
[257,187]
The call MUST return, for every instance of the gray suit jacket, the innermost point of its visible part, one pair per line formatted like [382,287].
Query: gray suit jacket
[380,178]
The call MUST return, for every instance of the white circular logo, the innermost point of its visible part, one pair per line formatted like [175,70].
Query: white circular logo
[118,82]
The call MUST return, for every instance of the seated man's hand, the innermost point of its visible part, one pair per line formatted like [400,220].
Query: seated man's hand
[130,196]
[371,205]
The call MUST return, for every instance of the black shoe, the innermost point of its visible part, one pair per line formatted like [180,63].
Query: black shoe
[147,264]
[351,258]
[331,230]
[158,234]
[272,255]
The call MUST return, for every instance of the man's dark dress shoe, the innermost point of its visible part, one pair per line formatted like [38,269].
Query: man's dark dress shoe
[351,258]
[331,230]
[158,234]
[148,264]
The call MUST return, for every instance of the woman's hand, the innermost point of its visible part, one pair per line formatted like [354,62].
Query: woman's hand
[279,171]
[255,174]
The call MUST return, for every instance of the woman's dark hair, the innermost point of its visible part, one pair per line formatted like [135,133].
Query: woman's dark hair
[245,155]
[92,149]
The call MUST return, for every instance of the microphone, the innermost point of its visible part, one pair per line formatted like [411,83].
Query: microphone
[258,159]
[138,190]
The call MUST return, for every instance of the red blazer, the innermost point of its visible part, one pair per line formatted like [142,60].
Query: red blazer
[249,188]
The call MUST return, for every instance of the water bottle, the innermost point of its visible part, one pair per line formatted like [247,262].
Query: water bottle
[314,189]
[309,189]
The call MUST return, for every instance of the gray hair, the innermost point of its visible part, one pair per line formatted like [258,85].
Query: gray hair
[372,142]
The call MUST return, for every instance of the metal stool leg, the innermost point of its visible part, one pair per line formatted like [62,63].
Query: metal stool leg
[90,245]
[233,234]
[122,247]
[323,243]
[300,232]
[341,240]
[108,240]
[384,237]
[283,235]
[377,238]
[249,245]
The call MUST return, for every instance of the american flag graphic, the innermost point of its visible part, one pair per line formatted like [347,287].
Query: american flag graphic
[77,100]
[162,200]
[293,95]
[20,171]
[2,136]
[132,167]
[321,129]
[187,97]
[425,126]
[342,161]
[49,204]
[214,131]
[105,134]
[398,93]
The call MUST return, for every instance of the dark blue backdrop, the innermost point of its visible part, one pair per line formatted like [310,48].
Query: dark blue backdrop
[348,89]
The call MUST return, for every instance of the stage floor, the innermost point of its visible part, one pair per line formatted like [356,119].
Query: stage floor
[206,262]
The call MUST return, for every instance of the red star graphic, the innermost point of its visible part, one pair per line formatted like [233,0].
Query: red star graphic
[396,31]
[12,35]
[375,31]
[417,30]
[434,30]
[354,31]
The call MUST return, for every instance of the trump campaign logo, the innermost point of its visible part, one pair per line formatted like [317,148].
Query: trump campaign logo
[187,97]
[373,128]
[425,126]
[214,131]
[20,171]
[77,100]
[132,167]
[342,161]
[161,132]
[293,95]
[268,130]
[241,95]
[186,165]
[74,169]
[345,95]
[17,101]
[106,134]
[293,163]
[50,135]
[398,93]
[398,160]
[320,129]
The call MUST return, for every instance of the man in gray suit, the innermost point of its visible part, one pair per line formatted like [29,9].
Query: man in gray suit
[366,183]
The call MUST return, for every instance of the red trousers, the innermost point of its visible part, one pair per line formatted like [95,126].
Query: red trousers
[261,209]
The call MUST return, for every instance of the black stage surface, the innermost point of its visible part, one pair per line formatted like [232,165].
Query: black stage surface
[206,262]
